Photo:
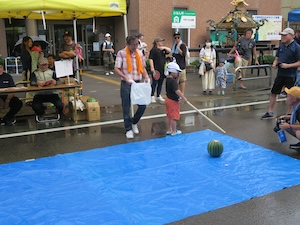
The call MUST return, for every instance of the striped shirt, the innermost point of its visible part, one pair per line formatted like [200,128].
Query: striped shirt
[122,64]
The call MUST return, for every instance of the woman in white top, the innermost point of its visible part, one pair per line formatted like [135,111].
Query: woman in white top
[208,60]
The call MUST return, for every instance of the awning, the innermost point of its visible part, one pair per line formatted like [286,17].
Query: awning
[294,15]
[61,10]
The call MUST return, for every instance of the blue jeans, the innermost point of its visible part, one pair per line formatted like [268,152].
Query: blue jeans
[157,83]
[126,103]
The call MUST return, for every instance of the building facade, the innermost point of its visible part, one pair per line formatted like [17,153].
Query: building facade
[152,18]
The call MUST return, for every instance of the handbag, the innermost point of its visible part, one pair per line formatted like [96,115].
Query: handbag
[201,69]
[140,93]
[230,59]
[208,66]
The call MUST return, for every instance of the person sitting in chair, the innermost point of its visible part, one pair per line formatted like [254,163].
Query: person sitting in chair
[43,76]
[8,100]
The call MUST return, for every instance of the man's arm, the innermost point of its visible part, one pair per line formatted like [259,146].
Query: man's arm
[275,62]
[255,55]
[67,55]
[232,50]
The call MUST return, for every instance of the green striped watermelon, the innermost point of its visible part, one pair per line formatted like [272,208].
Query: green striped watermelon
[215,148]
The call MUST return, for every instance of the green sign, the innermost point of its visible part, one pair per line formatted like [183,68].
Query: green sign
[183,19]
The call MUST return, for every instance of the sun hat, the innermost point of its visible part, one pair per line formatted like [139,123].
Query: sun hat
[221,60]
[43,61]
[293,91]
[172,67]
[288,31]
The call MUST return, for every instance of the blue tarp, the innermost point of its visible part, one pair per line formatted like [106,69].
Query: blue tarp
[294,15]
[149,182]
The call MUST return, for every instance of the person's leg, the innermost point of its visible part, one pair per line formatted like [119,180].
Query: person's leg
[138,114]
[168,120]
[204,80]
[111,64]
[211,80]
[169,128]
[244,62]
[15,105]
[272,102]
[37,105]
[56,102]
[153,86]
[125,97]
[106,63]
[276,89]
[182,81]
[173,126]
[159,86]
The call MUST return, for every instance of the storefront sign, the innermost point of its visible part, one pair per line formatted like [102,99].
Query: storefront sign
[185,19]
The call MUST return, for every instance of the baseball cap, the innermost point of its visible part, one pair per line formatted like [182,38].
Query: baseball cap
[67,33]
[293,91]
[287,31]
[140,35]
[107,35]
[158,39]
[176,33]
[221,60]
[43,61]
[172,67]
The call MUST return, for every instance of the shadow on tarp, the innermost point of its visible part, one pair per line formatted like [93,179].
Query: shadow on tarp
[149,182]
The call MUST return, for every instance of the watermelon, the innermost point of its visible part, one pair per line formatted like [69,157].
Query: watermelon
[91,100]
[215,148]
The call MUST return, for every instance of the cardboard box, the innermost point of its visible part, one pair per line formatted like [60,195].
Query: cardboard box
[81,115]
[92,111]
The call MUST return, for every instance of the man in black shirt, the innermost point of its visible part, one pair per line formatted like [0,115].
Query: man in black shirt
[8,100]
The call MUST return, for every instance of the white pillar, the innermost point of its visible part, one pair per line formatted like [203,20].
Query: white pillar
[3,44]
[125,25]
[31,27]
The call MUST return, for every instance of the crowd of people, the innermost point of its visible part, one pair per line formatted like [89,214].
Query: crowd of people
[165,64]
[37,71]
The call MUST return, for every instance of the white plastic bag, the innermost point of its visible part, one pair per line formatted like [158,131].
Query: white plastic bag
[201,68]
[140,93]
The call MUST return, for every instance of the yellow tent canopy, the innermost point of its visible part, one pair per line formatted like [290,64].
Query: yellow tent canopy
[61,10]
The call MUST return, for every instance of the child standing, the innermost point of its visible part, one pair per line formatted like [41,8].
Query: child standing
[36,54]
[221,74]
[173,96]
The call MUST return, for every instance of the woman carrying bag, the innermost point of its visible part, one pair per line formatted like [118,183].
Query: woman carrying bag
[208,65]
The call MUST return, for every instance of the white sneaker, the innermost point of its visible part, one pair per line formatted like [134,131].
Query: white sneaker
[111,72]
[135,129]
[129,134]
[107,74]
[161,99]
[153,99]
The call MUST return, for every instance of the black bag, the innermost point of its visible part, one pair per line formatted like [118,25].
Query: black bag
[230,59]
[208,66]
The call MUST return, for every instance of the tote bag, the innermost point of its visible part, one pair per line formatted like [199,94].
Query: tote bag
[140,93]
